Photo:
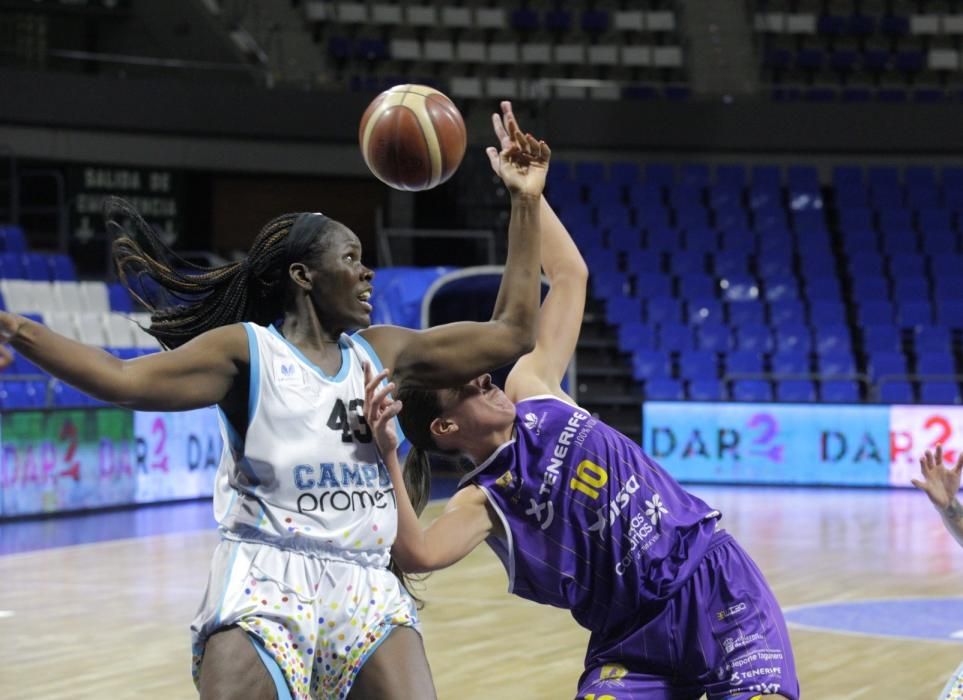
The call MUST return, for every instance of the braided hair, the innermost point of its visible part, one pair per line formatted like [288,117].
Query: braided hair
[185,299]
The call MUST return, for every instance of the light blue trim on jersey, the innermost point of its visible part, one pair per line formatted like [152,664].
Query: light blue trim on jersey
[271,664]
[345,358]
[227,581]
[379,366]
[254,360]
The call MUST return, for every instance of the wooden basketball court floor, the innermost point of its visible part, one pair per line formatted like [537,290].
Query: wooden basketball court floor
[110,619]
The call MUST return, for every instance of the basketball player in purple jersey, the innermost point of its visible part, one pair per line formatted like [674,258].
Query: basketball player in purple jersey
[583,519]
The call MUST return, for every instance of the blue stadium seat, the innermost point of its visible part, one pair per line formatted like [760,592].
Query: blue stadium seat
[874,313]
[623,172]
[619,309]
[886,364]
[731,264]
[697,286]
[839,391]
[746,313]
[790,362]
[734,175]
[636,336]
[836,363]
[649,364]
[37,267]
[648,286]
[675,337]
[939,392]
[120,299]
[66,396]
[715,337]
[20,395]
[608,284]
[739,288]
[832,338]
[662,174]
[932,339]
[896,392]
[698,364]
[913,314]
[935,362]
[62,268]
[754,338]
[827,313]
[11,266]
[793,337]
[881,338]
[823,289]
[795,391]
[707,390]
[645,262]
[912,289]
[786,311]
[950,313]
[664,390]
[687,262]
[12,239]
[781,289]
[743,362]
[663,310]
[870,288]
[751,390]
[704,311]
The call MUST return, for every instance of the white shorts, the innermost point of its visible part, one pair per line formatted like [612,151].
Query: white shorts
[318,618]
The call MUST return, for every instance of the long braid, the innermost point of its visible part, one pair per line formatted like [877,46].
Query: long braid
[186,300]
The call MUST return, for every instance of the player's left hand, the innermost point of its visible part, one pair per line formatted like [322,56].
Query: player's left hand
[503,124]
[380,409]
[940,483]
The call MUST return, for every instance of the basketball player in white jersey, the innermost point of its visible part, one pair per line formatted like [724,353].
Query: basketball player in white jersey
[300,602]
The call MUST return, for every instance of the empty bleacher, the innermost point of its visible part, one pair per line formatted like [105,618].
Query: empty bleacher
[861,50]
[767,284]
[573,50]
[44,287]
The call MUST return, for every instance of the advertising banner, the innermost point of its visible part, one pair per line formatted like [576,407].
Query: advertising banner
[77,459]
[176,454]
[915,429]
[54,461]
[769,443]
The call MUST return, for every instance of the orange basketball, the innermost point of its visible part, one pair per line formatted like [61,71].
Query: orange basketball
[412,137]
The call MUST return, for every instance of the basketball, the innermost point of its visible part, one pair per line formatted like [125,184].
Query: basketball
[412,137]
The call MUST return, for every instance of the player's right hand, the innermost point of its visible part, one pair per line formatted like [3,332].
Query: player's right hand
[9,327]
[380,409]
[523,164]
[939,482]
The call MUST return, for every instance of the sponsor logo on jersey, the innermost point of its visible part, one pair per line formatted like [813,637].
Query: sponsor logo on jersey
[505,480]
[730,611]
[286,371]
[531,421]
[544,511]
[612,674]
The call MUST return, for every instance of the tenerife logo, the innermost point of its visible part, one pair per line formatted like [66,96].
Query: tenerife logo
[654,509]
[531,420]
[612,674]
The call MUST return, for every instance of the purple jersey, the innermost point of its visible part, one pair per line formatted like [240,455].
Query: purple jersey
[592,524]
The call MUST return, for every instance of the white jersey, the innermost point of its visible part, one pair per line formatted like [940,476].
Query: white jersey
[307,476]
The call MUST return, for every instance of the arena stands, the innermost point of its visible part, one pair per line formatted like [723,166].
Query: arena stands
[858,51]
[572,50]
[764,284]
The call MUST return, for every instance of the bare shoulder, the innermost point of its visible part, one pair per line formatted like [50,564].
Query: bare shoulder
[525,381]
[470,495]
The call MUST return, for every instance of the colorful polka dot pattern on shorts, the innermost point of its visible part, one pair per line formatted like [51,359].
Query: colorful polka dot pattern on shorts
[319,619]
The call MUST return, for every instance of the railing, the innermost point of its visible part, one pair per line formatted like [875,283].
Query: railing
[58,212]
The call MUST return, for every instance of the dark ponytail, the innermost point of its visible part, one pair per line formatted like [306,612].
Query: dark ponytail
[185,299]
[417,475]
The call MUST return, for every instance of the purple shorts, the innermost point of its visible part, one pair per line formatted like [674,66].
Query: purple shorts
[721,634]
